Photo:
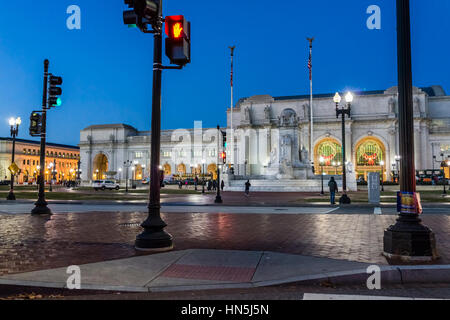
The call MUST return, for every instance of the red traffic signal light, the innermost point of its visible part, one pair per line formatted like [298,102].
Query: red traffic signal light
[177,27]
[178,41]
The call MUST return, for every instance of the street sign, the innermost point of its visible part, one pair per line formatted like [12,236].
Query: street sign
[13,168]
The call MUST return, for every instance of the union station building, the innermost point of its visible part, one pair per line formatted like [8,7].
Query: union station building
[27,157]
[272,139]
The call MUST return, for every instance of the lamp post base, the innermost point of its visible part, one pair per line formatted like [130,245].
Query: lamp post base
[345,199]
[154,241]
[218,199]
[11,196]
[409,241]
[41,209]
[154,238]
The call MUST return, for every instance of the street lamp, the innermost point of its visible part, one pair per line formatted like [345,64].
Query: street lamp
[14,123]
[343,111]
[218,197]
[397,166]
[321,161]
[408,239]
[127,164]
[382,175]
[203,184]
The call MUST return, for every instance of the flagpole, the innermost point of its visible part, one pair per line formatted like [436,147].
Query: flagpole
[311,143]
[231,162]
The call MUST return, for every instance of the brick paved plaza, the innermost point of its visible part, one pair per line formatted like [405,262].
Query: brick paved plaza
[31,243]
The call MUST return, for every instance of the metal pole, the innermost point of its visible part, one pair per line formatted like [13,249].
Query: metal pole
[344,176]
[41,204]
[154,238]
[11,195]
[232,106]
[311,142]
[322,193]
[218,197]
[408,238]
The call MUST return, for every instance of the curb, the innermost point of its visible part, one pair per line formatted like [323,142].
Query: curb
[396,275]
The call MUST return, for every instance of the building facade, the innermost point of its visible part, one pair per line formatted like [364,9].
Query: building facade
[272,140]
[120,151]
[27,157]
[269,131]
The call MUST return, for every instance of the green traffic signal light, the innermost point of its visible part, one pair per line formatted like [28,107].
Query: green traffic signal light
[58,102]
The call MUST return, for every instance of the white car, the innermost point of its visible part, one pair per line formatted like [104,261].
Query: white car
[105,184]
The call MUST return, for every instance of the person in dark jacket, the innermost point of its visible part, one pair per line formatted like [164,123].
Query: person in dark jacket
[333,189]
[247,188]
[222,185]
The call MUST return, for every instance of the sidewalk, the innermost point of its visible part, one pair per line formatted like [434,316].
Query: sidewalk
[221,269]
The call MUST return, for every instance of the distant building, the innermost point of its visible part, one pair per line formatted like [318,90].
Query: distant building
[272,141]
[27,157]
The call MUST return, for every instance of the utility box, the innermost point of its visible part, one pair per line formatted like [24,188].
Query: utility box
[373,187]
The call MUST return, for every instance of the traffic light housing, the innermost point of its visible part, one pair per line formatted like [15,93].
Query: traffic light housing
[223,155]
[35,124]
[178,41]
[149,10]
[55,91]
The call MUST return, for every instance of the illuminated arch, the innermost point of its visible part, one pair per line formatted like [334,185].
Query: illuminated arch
[181,169]
[369,152]
[139,172]
[100,164]
[212,170]
[167,169]
[330,149]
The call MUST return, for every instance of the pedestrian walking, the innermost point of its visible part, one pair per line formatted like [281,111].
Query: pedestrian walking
[222,185]
[333,189]
[247,188]
[214,185]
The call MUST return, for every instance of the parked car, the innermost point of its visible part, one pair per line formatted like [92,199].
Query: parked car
[105,184]
[5,183]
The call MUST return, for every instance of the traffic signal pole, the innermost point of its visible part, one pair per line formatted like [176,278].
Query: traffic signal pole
[41,205]
[154,238]
[408,239]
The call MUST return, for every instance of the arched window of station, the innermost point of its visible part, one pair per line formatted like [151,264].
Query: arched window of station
[331,151]
[138,172]
[370,152]
[100,167]
[181,169]
[167,169]
[212,170]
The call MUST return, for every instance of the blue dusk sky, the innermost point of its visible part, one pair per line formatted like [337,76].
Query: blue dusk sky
[107,67]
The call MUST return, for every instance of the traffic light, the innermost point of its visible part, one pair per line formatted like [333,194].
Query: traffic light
[35,124]
[178,41]
[142,9]
[223,155]
[55,91]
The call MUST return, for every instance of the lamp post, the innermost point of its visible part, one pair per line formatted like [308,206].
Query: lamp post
[218,197]
[321,161]
[14,123]
[203,184]
[397,166]
[443,164]
[343,111]
[408,239]
[126,165]
[382,175]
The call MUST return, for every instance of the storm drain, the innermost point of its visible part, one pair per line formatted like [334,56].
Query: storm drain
[129,225]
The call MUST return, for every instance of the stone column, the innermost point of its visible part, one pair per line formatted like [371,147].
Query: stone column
[418,147]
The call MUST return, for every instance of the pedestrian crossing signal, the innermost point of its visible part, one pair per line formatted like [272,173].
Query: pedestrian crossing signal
[178,41]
